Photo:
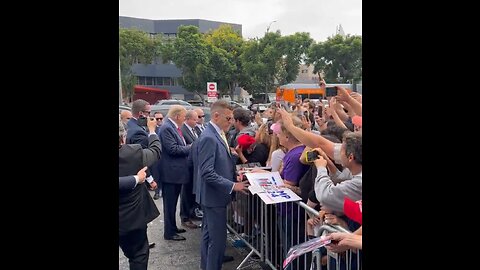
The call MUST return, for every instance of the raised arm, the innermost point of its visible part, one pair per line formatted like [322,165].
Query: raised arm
[307,138]
[338,110]
[334,112]
[154,149]
[344,96]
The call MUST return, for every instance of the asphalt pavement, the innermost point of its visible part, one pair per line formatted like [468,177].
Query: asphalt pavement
[183,255]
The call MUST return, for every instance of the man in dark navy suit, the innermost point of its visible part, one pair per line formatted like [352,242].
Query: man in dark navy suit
[137,133]
[174,171]
[187,199]
[216,180]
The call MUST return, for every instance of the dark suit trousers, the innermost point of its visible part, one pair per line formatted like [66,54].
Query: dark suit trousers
[214,237]
[155,169]
[134,245]
[187,201]
[170,194]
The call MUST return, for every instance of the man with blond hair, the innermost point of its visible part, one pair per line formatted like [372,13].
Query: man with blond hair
[174,171]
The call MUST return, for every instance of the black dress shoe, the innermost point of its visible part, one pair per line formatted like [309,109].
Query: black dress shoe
[181,230]
[175,237]
[151,245]
[227,258]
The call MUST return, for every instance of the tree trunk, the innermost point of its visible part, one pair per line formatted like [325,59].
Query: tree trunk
[201,96]
[231,86]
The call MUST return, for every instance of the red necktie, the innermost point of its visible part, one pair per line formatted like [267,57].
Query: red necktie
[180,132]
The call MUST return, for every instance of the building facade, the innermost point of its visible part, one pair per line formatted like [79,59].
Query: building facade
[306,75]
[157,74]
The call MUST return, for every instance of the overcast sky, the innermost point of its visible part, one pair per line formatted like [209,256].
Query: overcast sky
[317,17]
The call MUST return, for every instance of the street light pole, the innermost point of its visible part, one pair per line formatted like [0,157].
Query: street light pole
[270,24]
[120,98]
[266,79]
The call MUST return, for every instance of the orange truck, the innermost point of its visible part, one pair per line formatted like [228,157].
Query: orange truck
[290,92]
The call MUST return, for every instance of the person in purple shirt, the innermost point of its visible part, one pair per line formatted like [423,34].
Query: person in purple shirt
[290,225]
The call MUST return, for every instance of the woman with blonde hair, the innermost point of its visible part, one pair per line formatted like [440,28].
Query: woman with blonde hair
[277,152]
[263,136]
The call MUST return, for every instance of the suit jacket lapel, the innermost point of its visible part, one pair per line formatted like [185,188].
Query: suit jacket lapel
[189,132]
[179,138]
[220,139]
[198,131]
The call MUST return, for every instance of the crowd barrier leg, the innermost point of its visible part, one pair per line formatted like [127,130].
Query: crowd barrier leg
[245,260]
[269,230]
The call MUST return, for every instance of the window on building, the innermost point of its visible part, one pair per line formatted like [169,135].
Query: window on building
[141,80]
[170,35]
[167,81]
[149,81]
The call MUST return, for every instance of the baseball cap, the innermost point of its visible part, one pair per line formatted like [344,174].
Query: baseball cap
[245,141]
[353,210]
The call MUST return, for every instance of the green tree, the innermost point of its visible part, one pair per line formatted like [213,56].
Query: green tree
[226,47]
[136,47]
[294,49]
[191,53]
[261,60]
[339,58]
[273,60]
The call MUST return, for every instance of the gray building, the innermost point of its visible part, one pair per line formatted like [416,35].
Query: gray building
[165,76]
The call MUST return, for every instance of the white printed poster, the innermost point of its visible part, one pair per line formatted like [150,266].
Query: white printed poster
[267,187]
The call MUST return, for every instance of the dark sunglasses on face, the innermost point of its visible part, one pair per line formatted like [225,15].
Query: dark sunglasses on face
[159,119]
[201,116]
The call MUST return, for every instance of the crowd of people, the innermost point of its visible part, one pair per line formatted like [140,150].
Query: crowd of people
[316,147]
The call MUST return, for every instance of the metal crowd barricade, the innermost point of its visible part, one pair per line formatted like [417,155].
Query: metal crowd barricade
[244,221]
[269,230]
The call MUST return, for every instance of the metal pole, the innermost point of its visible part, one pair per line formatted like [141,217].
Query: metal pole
[266,90]
[266,79]
[120,98]
[270,24]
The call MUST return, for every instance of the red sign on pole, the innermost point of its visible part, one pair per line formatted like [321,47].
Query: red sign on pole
[212,91]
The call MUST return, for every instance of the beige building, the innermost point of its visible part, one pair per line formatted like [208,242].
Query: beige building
[306,75]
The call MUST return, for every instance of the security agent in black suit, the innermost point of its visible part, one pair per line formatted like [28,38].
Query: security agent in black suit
[129,182]
[136,207]
[137,133]
[156,167]
[200,126]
